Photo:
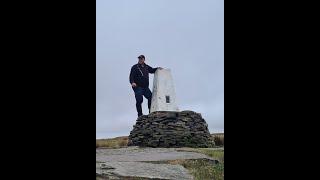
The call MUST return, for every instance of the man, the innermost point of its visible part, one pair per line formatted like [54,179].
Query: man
[139,80]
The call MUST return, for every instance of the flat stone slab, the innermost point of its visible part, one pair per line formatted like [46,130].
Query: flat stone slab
[146,170]
[135,154]
[134,161]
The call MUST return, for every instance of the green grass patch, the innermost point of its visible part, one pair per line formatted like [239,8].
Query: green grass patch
[203,168]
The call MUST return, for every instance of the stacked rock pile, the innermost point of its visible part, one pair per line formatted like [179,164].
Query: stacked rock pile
[171,129]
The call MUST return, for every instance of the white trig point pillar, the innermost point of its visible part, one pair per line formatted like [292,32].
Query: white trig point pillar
[163,93]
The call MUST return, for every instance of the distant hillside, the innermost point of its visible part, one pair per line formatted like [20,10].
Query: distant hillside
[117,142]
[218,139]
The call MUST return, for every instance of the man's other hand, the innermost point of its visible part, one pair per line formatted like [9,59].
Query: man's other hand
[133,84]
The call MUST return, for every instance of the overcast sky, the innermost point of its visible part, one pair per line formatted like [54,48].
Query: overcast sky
[186,36]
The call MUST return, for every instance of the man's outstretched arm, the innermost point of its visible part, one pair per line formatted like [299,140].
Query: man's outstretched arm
[153,70]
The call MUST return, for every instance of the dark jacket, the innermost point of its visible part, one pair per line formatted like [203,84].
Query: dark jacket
[140,75]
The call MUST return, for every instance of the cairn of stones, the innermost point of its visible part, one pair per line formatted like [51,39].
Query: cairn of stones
[171,129]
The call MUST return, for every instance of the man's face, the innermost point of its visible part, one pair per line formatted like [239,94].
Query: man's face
[141,60]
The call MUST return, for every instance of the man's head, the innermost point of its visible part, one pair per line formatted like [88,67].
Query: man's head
[141,59]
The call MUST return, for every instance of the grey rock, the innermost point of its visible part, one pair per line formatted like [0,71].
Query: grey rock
[171,129]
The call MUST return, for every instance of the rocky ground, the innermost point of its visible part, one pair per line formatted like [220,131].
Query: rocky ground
[143,163]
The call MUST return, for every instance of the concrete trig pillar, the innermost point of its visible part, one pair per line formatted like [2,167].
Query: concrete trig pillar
[163,93]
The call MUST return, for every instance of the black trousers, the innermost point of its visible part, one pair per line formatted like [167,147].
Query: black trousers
[139,92]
